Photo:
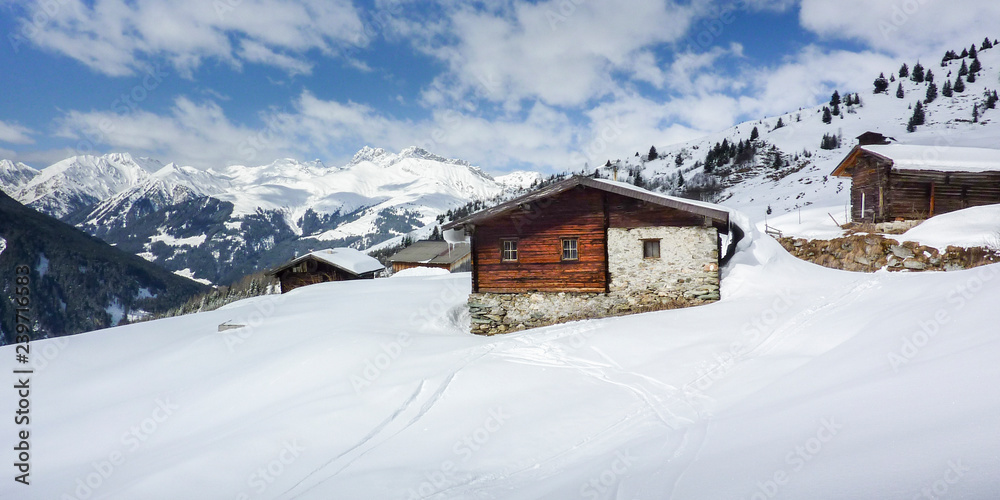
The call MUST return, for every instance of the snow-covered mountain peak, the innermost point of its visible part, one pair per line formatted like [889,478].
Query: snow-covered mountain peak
[369,153]
[14,175]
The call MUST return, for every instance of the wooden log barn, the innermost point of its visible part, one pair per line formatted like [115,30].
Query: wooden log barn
[455,257]
[891,181]
[332,264]
[584,248]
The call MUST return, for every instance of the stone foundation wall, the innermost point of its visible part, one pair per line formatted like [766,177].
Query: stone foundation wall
[494,313]
[686,274]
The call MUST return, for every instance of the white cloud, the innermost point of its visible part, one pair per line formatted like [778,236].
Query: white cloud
[192,133]
[15,134]
[908,28]
[118,37]
[808,78]
[559,52]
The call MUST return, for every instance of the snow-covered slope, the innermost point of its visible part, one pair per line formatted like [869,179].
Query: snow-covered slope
[803,382]
[805,181]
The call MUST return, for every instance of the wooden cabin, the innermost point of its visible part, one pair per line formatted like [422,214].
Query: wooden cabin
[332,264]
[583,248]
[440,254]
[897,181]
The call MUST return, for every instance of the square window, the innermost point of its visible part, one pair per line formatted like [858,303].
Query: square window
[508,250]
[569,249]
[651,249]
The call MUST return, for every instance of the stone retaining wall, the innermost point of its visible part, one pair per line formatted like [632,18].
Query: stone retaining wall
[871,252]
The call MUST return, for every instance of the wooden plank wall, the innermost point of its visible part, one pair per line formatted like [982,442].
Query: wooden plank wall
[628,212]
[868,174]
[910,192]
[574,213]
[324,272]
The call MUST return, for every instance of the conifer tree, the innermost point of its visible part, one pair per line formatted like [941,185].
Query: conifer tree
[959,85]
[975,113]
[987,44]
[781,123]
[991,100]
[972,51]
[835,99]
[946,90]
[904,71]
[652,153]
[932,93]
[899,91]
[754,135]
[971,78]
[918,73]
[881,84]
[929,77]
[964,70]
[964,54]
[827,116]
[976,66]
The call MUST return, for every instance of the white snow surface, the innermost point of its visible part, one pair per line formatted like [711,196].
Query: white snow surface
[3,245]
[186,272]
[802,382]
[420,271]
[176,242]
[970,227]
[940,158]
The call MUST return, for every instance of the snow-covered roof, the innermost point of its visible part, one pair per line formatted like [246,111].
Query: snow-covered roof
[347,259]
[938,158]
[432,252]
[715,212]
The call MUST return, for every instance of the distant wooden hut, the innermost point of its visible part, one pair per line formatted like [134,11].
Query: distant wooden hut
[440,254]
[898,181]
[332,264]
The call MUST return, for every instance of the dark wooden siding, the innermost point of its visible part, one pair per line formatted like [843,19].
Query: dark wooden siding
[910,192]
[906,194]
[316,272]
[627,212]
[539,230]
[868,176]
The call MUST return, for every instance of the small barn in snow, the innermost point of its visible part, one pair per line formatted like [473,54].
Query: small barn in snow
[585,248]
[440,254]
[891,181]
[332,264]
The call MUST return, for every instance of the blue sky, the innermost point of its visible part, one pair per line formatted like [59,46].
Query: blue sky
[544,85]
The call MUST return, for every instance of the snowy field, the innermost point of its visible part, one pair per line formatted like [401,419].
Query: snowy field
[803,382]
